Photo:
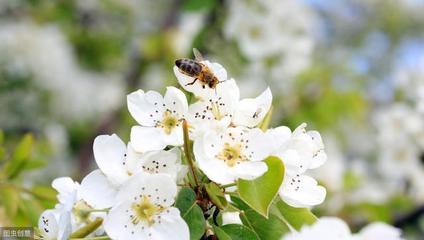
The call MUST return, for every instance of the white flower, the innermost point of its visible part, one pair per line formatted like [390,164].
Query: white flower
[55,224]
[236,153]
[199,89]
[160,118]
[144,210]
[117,163]
[379,230]
[67,192]
[219,110]
[299,151]
[332,228]
[326,228]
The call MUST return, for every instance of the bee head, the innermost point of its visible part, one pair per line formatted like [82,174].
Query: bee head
[178,62]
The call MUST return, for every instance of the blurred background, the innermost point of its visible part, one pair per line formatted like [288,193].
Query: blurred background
[352,69]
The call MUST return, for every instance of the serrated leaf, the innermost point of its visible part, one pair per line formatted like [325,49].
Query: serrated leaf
[20,156]
[265,229]
[234,232]
[191,212]
[10,200]
[216,195]
[296,217]
[260,192]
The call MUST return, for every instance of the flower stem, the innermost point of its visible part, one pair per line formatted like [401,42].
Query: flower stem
[87,229]
[187,152]
[229,185]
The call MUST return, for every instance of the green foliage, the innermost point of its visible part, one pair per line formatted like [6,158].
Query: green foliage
[272,228]
[260,192]
[191,212]
[216,195]
[296,217]
[22,205]
[234,232]
[195,5]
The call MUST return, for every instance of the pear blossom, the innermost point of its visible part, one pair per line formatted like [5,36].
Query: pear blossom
[300,151]
[54,224]
[144,210]
[332,228]
[224,108]
[160,118]
[117,162]
[67,192]
[236,153]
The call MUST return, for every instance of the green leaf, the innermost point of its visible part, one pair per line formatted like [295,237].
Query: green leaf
[296,217]
[34,164]
[10,200]
[266,121]
[1,136]
[216,195]
[31,209]
[265,229]
[191,212]
[20,156]
[196,5]
[234,232]
[260,192]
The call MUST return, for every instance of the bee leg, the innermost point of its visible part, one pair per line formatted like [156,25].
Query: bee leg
[192,82]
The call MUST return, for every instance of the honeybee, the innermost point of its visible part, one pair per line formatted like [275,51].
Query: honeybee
[198,70]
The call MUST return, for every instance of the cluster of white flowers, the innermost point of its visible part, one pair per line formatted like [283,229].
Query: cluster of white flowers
[276,37]
[44,54]
[331,228]
[135,187]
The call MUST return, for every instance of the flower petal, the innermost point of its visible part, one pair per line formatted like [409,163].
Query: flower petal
[67,190]
[259,145]
[176,100]
[160,187]
[118,225]
[97,191]
[145,108]
[168,162]
[250,112]
[48,224]
[302,191]
[145,139]
[109,153]
[250,170]
[171,226]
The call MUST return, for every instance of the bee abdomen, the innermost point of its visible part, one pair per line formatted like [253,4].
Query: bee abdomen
[188,66]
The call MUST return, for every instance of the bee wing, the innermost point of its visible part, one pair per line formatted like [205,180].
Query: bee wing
[197,55]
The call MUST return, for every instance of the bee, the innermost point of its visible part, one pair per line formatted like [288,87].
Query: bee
[198,70]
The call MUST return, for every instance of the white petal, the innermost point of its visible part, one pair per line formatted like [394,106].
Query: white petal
[145,108]
[132,158]
[168,162]
[250,170]
[302,191]
[48,224]
[97,191]
[118,223]
[379,230]
[65,228]
[215,169]
[280,136]
[109,153]
[145,139]
[172,226]
[67,190]
[250,112]
[161,188]
[175,138]
[259,146]
[176,100]
[326,228]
